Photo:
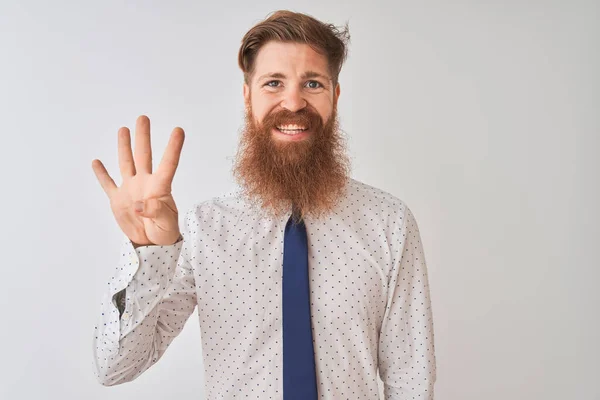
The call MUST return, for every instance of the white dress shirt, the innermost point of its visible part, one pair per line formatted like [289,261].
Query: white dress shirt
[369,294]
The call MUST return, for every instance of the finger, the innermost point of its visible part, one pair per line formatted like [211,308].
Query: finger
[143,152]
[170,159]
[126,164]
[104,178]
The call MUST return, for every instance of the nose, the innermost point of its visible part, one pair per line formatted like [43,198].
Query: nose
[293,100]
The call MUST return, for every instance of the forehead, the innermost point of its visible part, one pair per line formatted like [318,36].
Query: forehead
[291,59]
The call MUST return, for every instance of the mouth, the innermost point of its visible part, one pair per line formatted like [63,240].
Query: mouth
[291,132]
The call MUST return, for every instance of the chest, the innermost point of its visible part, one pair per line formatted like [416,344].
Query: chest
[239,273]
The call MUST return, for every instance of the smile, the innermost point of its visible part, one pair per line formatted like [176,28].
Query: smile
[287,133]
[291,129]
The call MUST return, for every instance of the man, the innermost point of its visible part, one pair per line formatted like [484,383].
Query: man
[308,283]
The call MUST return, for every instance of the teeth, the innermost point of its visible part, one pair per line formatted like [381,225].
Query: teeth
[291,127]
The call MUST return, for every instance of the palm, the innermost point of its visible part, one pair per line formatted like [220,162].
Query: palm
[140,183]
[138,228]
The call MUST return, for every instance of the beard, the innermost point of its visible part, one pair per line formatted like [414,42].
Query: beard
[309,175]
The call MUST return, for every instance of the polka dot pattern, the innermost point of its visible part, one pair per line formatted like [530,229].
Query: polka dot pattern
[370,306]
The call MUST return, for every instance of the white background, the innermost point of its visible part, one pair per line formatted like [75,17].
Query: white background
[482,116]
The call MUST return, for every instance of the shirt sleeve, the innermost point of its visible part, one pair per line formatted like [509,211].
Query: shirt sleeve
[159,297]
[406,342]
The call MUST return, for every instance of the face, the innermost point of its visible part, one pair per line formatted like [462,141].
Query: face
[292,77]
[291,151]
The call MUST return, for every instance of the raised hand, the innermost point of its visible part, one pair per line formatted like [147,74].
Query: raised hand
[158,221]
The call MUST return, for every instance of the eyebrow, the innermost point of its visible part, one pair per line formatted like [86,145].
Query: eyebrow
[306,75]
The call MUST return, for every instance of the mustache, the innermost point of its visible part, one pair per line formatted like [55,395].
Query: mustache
[305,117]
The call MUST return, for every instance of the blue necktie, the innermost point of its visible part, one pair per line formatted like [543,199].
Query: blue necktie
[299,378]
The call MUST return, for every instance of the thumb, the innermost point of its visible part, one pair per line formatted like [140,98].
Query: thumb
[147,208]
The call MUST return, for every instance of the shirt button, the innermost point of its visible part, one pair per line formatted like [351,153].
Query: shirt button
[125,316]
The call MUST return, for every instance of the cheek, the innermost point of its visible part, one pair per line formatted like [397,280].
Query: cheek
[260,108]
[324,109]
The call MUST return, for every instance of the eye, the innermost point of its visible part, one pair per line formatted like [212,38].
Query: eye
[311,86]
[269,84]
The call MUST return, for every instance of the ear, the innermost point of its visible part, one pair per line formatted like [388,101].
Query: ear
[336,95]
[246,91]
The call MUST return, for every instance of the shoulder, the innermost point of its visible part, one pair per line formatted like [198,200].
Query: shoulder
[369,208]
[371,198]
[370,203]
[229,203]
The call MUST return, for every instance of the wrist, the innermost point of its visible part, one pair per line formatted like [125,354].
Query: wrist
[136,245]
[179,239]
